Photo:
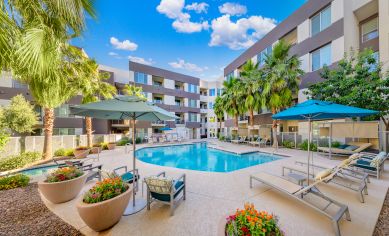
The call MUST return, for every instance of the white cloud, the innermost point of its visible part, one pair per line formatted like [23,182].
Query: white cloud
[113,54]
[181,64]
[197,7]
[240,34]
[124,45]
[141,60]
[173,9]
[233,9]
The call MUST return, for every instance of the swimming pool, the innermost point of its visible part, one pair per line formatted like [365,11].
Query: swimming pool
[199,157]
[38,170]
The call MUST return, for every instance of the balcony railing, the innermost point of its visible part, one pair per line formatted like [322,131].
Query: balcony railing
[180,122]
[158,101]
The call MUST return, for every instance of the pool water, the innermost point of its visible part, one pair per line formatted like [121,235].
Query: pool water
[199,157]
[38,171]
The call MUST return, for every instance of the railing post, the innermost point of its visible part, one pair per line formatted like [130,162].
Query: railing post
[295,140]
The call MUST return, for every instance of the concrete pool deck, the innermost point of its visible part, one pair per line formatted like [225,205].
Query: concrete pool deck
[211,196]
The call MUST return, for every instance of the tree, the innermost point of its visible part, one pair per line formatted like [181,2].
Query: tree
[251,87]
[219,111]
[282,78]
[356,81]
[133,90]
[34,47]
[93,89]
[232,98]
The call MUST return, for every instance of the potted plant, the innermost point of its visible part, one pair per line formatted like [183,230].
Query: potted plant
[96,148]
[104,204]
[63,184]
[111,145]
[81,152]
[249,221]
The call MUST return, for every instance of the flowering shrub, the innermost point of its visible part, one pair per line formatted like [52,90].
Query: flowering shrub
[105,189]
[250,222]
[63,174]
[14,181]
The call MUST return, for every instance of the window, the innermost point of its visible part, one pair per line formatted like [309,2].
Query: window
[219,92]
[369,30]
[64,131]
[212,92]
[321,21]
[62,111]
[192,88]
[192,103]
[373,66]
[262,55]
[192,117]
[178,103]
[18,84]
[291,37]
[210,105]
[321,57]
[140,78]
[229,76]
[158,100]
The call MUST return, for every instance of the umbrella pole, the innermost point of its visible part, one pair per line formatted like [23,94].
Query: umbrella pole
[133,160]
[309,146]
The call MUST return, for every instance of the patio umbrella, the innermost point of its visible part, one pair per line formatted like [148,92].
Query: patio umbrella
[165,129]
[125,108]
[313,110]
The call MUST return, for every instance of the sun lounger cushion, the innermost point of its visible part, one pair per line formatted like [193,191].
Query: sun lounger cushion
[128,177]
[343,146]
[322,174]
[159,184]
[166,197]
[351,148]
[376,161]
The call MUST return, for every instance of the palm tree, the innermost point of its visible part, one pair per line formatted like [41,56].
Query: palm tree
[232,98]
[93,89]
[133,90]
[282,78]
[34,47]
[252,82]
[219,111]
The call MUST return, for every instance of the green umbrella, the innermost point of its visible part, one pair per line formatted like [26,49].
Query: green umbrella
[125,108]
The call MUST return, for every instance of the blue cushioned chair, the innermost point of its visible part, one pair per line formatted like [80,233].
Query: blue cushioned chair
[365,164]
[128,176]
[164,190]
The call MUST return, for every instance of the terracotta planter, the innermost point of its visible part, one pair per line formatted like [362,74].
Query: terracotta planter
[79,154]
[64,191]
[95,150]
[111,146]
[103,215]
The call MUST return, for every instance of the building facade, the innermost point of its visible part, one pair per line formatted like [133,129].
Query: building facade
[321,32]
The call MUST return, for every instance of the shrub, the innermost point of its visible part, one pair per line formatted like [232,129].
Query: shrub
[106,189]
[251,222]
[304,146]
[104,146]
[222,138]
[288,144]
[19,161]
[14,181]
[123,141]
[62,152]
[63,174]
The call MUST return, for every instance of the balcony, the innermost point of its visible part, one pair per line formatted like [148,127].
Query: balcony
[158,101]
[243,120]
[159,123]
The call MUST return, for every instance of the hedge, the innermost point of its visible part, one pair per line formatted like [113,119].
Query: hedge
[19,161]
[14,181]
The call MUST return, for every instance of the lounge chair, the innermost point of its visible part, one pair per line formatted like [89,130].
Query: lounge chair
[299,192]
[345,150]
[371,165]
[165,190]
[259,141]
[240,140]
[93,171]
[127,176]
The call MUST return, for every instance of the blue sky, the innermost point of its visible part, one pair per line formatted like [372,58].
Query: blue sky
[197,38]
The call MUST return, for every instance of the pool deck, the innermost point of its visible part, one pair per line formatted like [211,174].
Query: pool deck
[211,196]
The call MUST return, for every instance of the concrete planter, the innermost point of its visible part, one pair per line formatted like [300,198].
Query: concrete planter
[63,191]
[111,146]
[79,154]
[103,215]
[95,150]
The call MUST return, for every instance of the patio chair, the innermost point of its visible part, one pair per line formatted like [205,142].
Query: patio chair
[299,192]
[165,190]
[345,150]
[93,172]
[370,165]
[127,176]
[240,140]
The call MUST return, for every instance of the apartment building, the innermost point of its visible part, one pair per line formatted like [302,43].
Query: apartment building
[209,90]
[321,32]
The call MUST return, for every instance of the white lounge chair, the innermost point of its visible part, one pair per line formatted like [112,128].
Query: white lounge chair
[299,192]
[351,148]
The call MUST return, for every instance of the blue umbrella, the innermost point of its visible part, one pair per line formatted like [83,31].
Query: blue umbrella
[165,129]
[312,110]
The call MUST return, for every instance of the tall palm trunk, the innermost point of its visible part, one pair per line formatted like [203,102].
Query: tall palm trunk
[274,126]
[251,117]
[88,127]
[48,130]
[236,117]
[220,127]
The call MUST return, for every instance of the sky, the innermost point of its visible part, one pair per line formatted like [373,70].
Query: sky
[197,38]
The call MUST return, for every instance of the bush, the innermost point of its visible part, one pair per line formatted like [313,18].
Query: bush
[304,146]
[288,144]
[62,152]
[104,146]
[14,181]
[63,174]
[106,189]
[123,141]
[19,161]
[222,138]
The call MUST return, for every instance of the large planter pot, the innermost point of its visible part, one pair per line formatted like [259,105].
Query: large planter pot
[95,150]
[103,215]
[111,146]
[64,191]
[79,154]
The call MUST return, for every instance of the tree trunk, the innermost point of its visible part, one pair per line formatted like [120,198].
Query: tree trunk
[251,117]
[386,123]
[48,130]
[220,126]
[274,126]
[236,120]
[88,127]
